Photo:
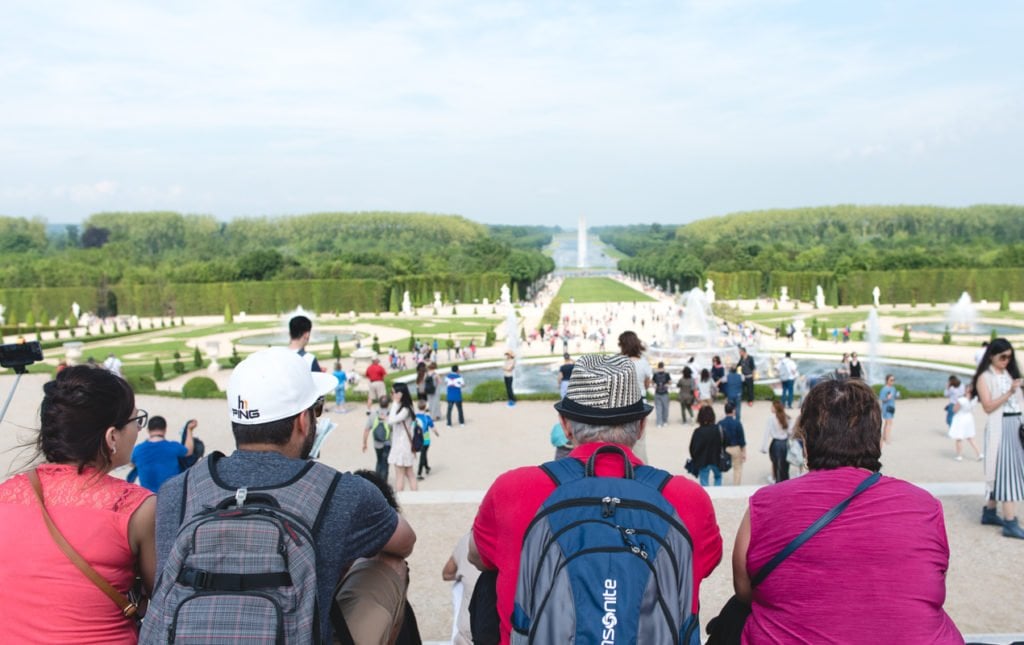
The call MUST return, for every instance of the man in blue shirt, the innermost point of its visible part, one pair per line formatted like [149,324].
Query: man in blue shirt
[735,441]
[734,388]
[454,394]
[157,459]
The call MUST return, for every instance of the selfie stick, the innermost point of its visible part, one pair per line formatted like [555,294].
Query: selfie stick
[10,395]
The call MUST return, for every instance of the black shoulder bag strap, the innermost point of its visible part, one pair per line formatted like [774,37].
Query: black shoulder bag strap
[809,532]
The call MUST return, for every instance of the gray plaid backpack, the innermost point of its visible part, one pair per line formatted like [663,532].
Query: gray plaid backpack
[243,564]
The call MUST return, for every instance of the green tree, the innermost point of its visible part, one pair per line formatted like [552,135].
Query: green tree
[158,370]
[197,358]
[336,349]
[228,316]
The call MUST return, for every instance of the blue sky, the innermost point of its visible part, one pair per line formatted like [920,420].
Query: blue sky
[507,112]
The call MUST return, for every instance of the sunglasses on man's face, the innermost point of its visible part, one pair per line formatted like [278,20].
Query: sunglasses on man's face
[318,407]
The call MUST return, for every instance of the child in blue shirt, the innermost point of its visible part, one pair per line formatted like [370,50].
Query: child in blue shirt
[339,391]
[427,422]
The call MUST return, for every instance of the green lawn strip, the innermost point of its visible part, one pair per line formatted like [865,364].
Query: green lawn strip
[599,290]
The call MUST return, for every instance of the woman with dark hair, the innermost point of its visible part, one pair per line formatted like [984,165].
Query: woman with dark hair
[997,385]
[777,434]
[718,372]
[88,426]
[686,388]
[632,347]
[402,420]
[706,446]
[886,548]
[704,385]
[421,378]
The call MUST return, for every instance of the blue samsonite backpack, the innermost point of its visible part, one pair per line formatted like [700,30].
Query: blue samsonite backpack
[605,560]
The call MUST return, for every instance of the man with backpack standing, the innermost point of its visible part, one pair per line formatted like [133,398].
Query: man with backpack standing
[253,546]
[656,534]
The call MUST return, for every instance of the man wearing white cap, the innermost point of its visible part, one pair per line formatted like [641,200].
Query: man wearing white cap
[273,401]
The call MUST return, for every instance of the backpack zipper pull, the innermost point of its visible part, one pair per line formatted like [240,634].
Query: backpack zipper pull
[608,506]
[240,496]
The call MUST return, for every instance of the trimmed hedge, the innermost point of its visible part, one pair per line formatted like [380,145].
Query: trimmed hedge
[201,387]
[215,298]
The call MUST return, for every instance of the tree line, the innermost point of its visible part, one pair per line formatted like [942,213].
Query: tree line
[839,241]
[166,248]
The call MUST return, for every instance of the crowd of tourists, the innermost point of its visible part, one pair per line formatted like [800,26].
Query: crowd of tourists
[267,544]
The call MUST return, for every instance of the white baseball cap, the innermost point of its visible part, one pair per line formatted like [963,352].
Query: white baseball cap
[273,384]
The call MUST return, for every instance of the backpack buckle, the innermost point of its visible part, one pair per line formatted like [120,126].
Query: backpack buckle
[240,496]
[195,578]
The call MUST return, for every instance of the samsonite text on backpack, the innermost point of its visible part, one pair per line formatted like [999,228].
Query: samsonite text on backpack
[605,560]
[243,564]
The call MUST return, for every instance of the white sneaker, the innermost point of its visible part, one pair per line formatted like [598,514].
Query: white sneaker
[959,458]
[981,457]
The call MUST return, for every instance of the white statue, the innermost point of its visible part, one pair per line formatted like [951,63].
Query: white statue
[783,295]
[406,303]
[505,297]
[876,293]
[2,310]
[76,309]
[709,290]
[819,298]
[437,300]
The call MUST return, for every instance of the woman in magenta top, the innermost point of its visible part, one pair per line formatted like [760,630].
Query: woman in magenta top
[877,573]
[89,424]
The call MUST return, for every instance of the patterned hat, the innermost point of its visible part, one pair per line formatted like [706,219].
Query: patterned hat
[603,391]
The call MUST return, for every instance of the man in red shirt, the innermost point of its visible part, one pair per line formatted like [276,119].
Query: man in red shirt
[375,375]
[602,406]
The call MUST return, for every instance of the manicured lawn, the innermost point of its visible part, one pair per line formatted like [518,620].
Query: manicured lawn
[599,290]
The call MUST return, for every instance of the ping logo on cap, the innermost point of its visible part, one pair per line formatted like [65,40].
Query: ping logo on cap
[242,411]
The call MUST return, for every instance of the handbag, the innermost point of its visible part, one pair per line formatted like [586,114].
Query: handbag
[691,468]
[131,609]
[727,627]
[724,458]
[795,453]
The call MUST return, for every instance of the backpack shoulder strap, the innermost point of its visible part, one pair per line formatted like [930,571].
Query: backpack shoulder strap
[656,478]
[563,471]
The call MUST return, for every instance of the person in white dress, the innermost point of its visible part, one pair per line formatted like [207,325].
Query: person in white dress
[962,427]
[402,419]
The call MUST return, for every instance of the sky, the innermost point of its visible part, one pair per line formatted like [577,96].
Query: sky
[507,112]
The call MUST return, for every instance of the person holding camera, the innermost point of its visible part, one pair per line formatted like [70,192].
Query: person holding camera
[157,459]
[67,518]
[888,395]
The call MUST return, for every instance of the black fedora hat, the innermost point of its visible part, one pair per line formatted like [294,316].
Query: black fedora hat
[603,391]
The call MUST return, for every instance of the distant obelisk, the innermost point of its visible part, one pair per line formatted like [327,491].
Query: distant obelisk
[581,243]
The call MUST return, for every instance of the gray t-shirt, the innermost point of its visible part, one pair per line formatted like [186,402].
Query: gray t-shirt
[358,521]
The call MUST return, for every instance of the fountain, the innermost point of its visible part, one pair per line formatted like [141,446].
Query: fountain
[694,337]
[962,316]
[581,243]
[874,338]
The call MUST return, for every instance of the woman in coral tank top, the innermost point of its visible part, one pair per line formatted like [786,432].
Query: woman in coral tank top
[875,574]
[88,426]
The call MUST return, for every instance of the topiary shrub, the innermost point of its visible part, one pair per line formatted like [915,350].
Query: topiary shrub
[761,392]
[234,359]
[179,367]
[141,383]
[947,337]
[906,333]
[158,370]
[201,387]
[197,358]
